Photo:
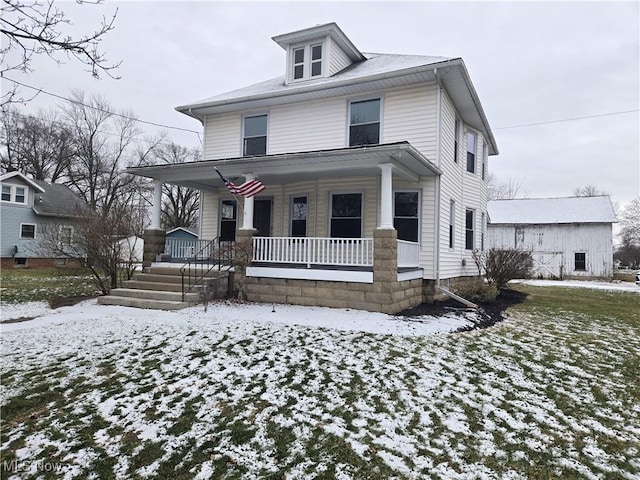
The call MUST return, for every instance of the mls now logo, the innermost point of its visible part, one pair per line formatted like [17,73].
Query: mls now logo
[17,466]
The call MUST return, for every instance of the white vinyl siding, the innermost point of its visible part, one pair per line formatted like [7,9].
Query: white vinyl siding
[411,115]
[308,126]
[338,60]
[223,136]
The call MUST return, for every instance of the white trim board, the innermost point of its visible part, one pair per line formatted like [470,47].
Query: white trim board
[311,274]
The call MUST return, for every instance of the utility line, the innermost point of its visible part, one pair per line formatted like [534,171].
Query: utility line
[568,119]
[102,110]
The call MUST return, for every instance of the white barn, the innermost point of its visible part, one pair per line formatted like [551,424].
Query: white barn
[569,237]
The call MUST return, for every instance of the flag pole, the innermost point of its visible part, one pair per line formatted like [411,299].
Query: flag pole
[226,180]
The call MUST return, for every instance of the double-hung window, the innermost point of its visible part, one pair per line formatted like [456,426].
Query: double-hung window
[316,60]
[346,215]
[298,63]
[452,223]
[405,215]
[469,229]
[299,216]
[456,138]
[15,194]
[471,152]
[307,61]
[364,122]
[254,140]
[485,159]
[228,218]
[27,230]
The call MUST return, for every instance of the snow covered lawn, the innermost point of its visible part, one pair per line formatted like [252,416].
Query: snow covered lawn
[243,392]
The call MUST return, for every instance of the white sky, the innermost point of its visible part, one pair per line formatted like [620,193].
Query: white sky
[530,62]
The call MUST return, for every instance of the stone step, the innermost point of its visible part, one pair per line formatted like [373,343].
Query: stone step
[191,298]
[194,270]
[151,277]
[158,286]
[142,303]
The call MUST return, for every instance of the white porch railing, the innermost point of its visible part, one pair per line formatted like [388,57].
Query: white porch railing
[351,252]
[408,254]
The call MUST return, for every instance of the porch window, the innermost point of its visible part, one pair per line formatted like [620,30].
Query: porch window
[27,230]
[299,216]
[405,215]
[469,229]
[346,215]
[452,222]
[471,152]
[228,219]
[364,123]
[255,136]
[580,262]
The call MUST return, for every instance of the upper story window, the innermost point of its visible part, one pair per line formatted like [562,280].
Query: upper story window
[14,193]
[254,141]
[364,122]
[298,63]
[472,140]
[307,61]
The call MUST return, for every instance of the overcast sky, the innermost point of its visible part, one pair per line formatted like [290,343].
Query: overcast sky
[531,63]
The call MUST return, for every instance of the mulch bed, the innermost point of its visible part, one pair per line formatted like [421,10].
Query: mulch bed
[490,313]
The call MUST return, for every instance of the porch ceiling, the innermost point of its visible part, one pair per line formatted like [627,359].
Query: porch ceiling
[293,167]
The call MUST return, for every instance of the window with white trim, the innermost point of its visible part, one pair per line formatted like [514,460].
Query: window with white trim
[346,215]
[27,231]
[364,122]
[452,222]
[299,216]
[298,63]
[485,159]
[316,60]
[14,194]
[483,229]
[228,219]
[254,139]
[472,140]
[456,137]
[306,61]
[405,215]
[469,229]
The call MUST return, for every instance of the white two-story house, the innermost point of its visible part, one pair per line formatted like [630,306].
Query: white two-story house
[374,167]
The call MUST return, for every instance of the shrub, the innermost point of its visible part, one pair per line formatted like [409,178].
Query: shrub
[477,291]
[501,265]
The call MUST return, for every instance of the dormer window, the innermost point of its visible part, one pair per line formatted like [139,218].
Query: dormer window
[298,63]
[14,194]
[307,61]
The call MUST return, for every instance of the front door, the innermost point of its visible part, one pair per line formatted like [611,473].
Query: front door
[262,216]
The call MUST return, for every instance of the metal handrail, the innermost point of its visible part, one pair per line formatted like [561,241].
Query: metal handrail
[203,262]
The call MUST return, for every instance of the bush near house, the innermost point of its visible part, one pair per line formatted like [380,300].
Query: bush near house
[501,265]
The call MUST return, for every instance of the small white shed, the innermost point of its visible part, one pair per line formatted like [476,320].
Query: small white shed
[569,237]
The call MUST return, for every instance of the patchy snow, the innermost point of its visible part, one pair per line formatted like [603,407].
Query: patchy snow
[594,284]
[232,312]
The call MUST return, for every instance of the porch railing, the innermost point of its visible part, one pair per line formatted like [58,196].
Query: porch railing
[213,254]
[351,252]
[408,254]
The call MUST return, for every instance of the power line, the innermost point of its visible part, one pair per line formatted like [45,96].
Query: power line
[103,110]
[568,119]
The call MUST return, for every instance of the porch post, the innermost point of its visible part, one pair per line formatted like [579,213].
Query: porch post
[157,204]
[247,212]
[386,197]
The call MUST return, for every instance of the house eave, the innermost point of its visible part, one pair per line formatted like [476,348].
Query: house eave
[296,166]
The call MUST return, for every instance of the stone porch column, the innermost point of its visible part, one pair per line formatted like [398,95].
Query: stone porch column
[243,256]
[385,268]
[153,245]
[386,196]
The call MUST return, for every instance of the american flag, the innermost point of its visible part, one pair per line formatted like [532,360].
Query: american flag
[247,189]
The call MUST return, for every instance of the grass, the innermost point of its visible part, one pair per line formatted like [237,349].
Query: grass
[47,284]
[551,393]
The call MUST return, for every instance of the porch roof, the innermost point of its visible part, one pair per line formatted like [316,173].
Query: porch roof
[285,168]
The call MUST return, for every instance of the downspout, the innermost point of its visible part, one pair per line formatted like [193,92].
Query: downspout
[438,204]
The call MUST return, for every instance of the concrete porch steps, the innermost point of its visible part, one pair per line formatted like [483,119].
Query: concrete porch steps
[158,288]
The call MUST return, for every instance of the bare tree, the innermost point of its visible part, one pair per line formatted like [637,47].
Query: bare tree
[33,28]
[630,222]
[588,191]
[104,147]
[180,205]
[504,190]
[38,145]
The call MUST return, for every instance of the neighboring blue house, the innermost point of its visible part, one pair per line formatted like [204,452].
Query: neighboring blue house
[27,208]
[181,243]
